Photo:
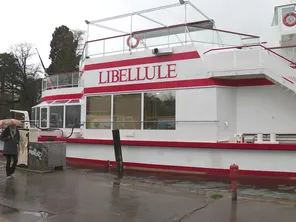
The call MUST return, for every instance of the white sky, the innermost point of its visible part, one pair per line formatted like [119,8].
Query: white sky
[34,21]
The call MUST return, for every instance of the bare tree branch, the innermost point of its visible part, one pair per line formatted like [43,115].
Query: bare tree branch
[79,36]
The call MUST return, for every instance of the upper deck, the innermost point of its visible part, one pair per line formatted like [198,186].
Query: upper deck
[168,27]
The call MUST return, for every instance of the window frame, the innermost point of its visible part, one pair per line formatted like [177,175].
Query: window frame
[111,111]
[65,112]
[142,121]
[141,108]
[64,115]
[175,114]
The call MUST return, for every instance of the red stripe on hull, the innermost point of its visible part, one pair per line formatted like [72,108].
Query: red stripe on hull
[143,61]
[187,170]
[193,145]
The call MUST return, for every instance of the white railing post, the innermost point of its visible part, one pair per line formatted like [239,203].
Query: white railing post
[273,137]
[259,137]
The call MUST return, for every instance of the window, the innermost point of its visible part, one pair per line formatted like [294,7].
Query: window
[287,10]
[98,112]
[127,111]
[37,122]
[56,117]
[73,116]
[33,114]
[160,110]
[43,118]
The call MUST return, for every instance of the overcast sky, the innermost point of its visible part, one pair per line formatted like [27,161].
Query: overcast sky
[34,20]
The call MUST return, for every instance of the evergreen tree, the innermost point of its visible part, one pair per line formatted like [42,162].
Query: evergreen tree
[64,53]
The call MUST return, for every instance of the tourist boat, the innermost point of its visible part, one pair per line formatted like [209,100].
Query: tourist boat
[187,97]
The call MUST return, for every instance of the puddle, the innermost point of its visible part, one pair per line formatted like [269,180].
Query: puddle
[5,210]
[41,214]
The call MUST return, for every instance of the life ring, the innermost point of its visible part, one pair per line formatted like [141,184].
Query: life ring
[286,17]
[128,42]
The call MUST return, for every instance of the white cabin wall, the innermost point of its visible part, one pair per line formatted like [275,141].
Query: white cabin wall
[265,109]
[227,112]
[200,107]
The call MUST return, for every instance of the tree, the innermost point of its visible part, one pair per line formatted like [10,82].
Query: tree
[65,50]
[8,69]
[79,37]
[26,83]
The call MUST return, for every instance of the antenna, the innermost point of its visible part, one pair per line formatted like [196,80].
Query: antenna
[41,62]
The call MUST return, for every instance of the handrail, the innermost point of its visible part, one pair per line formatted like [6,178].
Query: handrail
[175,26]
[247,46]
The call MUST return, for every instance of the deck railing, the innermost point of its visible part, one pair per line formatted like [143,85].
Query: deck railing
[62,80]
[253,45]
[182,34]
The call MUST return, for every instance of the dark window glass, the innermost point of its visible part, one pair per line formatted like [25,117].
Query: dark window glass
[37,122]
[56,117]
[98,112]
[127,111]
[33,114]
[160,110]
[43,117]
[73,116]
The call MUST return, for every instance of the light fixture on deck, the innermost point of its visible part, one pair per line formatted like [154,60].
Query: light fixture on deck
[181,2]
[162,52]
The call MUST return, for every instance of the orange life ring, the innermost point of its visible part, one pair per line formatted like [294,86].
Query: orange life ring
[128,42]
[286,17]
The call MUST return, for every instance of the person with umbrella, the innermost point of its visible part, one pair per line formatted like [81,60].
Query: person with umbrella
[11,138]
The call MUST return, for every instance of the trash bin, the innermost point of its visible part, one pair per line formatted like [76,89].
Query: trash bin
[47,156]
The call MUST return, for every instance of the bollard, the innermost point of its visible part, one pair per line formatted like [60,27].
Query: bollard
[233,176]
[118,152]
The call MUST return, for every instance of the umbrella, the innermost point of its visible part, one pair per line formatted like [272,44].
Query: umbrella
[9,122]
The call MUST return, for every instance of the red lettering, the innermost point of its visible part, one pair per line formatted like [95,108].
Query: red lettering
[158,72]
[108,76]
[122,73]
[129,75]
[171,70]
[147,73]
[115,75]
[139,74]
[101,78]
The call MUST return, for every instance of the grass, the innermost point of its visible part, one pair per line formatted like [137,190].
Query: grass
[216,196]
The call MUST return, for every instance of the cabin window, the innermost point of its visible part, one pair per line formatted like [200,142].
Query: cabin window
[98,112]
[73,116]
[127,111]
[43,117]
[37,122]
[33,116]
[160,110]
[287,10]
[56,119]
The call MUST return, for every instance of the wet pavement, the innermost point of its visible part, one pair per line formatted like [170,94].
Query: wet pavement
[87,195]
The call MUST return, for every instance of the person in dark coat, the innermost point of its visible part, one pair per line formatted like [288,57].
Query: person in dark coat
[11,138]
